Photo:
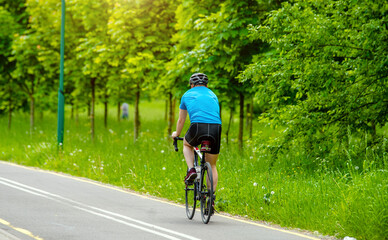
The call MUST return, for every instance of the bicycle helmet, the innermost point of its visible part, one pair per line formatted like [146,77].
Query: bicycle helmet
[198,79]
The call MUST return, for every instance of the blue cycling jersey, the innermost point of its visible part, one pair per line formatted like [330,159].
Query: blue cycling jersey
[202,105]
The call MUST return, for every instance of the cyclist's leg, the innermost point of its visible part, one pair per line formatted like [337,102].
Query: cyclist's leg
[212,159]
[188,152]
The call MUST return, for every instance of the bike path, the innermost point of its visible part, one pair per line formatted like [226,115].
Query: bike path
[37,204]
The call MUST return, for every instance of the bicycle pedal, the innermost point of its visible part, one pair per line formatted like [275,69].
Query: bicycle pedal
[189,183]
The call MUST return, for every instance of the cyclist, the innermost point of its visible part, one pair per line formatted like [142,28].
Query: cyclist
[204,111]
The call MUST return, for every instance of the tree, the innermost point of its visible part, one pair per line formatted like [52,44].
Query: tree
[92,50]
[13,18]
[327,71]
[141,32]
[224,48]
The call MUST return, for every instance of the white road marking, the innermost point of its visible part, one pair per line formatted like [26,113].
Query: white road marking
[98,212]
[158,200]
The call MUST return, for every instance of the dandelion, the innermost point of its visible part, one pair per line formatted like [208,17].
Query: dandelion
[272,192]
[255,184]
[162,151]
[164,168]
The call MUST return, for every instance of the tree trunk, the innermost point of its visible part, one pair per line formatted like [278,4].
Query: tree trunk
[229,124]
[241,127]
[72,111]
[32,113]
[76,114]
[9,114]
[92,84]
[250,126]
[118,111]
[248,108]
[166,109]
[106,113]
[170,114]
[136,115]
[89,110]
[173,110]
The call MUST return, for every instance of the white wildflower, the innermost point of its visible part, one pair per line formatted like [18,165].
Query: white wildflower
[29,146]
[255,184]
[272,193]
[162,151]
[164,168]
[349,238]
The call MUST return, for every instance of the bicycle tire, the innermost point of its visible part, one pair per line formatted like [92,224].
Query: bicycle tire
[191,199]
[206,193]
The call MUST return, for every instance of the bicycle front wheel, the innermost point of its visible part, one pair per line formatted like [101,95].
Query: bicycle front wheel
[191,199]
[206,196]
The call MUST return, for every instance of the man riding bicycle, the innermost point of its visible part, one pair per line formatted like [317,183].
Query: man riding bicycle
[204,111]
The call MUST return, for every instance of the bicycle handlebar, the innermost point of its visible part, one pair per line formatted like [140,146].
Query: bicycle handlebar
[176,143]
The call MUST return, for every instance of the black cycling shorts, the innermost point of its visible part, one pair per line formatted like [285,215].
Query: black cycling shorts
[205,131]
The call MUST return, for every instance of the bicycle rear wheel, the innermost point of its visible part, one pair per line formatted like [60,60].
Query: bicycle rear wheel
[206,188]
[191,199]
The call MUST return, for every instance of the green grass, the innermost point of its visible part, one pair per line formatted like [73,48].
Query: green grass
[347,202]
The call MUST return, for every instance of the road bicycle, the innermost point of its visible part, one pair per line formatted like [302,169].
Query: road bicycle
[202,188]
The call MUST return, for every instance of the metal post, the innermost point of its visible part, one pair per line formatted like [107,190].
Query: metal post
[61,96]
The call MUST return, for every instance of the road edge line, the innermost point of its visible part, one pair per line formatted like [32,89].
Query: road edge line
[128,191]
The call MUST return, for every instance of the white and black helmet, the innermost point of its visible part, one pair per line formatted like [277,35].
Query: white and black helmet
[199,79]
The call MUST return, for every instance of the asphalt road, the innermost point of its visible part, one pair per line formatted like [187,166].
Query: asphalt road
[36,204]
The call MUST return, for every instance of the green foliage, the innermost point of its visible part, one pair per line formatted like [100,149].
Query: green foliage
[326,72]
[9,99]
[345,202]
[317,70]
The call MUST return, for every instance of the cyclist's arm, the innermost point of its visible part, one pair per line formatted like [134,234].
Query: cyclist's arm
[180,123]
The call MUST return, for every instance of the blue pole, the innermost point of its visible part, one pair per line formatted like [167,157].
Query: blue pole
[61,96]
